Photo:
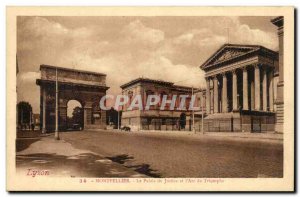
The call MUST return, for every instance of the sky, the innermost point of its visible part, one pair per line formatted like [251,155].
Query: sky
[125,48]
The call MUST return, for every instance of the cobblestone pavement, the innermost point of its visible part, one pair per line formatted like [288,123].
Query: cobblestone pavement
[184,154]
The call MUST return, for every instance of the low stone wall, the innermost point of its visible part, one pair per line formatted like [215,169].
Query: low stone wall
[235,122]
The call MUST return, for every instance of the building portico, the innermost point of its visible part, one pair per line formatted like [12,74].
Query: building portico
[254,99]
[242,81]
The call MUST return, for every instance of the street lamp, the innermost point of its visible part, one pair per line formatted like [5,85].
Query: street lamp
[118,119]
[193,114]
[202,115]
[56,106]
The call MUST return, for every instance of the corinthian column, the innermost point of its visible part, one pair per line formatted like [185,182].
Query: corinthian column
[207,95]
[271,93]
[257,87]
[234,91]
[245,89]
[252,94]
[264,84]
[224,94]
[216,96]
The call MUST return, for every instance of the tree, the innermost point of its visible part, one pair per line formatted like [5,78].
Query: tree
[24,112]
[77,115]
[112,117]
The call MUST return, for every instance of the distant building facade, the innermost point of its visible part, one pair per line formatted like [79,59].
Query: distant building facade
[241,89]
[155,118]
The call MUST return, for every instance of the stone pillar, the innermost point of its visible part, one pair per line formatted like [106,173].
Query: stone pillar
[271,93]
[245,89]
[103,118]
[139,92]
[44,109]
[257,87]
[87,114]
[279,22]
[216,96]
[234,91]
[252,94]
[224,94]
[207,96]
[63,116]
[264,84]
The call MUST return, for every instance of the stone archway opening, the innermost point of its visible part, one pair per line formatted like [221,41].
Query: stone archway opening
[60,85]
[75,115]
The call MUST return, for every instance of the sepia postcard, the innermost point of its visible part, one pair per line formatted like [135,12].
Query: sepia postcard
[150,99]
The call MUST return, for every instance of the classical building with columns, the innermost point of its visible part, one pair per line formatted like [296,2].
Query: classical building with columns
[241,88]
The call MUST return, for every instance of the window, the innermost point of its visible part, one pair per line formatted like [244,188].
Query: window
[148,93]
[161,96]
[130,96]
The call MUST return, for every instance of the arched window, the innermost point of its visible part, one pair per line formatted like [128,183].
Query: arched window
[170,97]
[148,93]
[130,97]
[161,96]
[178,99]
[188,102]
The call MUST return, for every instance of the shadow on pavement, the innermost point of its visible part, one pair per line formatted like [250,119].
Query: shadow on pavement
[142,168]
[28,134]
[23,143]
[121,159]
[81,165]
[145,169]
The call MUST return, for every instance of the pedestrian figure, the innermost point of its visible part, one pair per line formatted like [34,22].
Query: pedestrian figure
[32,127]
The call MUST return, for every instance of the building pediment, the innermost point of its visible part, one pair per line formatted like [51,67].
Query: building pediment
[229,52]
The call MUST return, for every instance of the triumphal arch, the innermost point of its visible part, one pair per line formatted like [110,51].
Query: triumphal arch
[84,86]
